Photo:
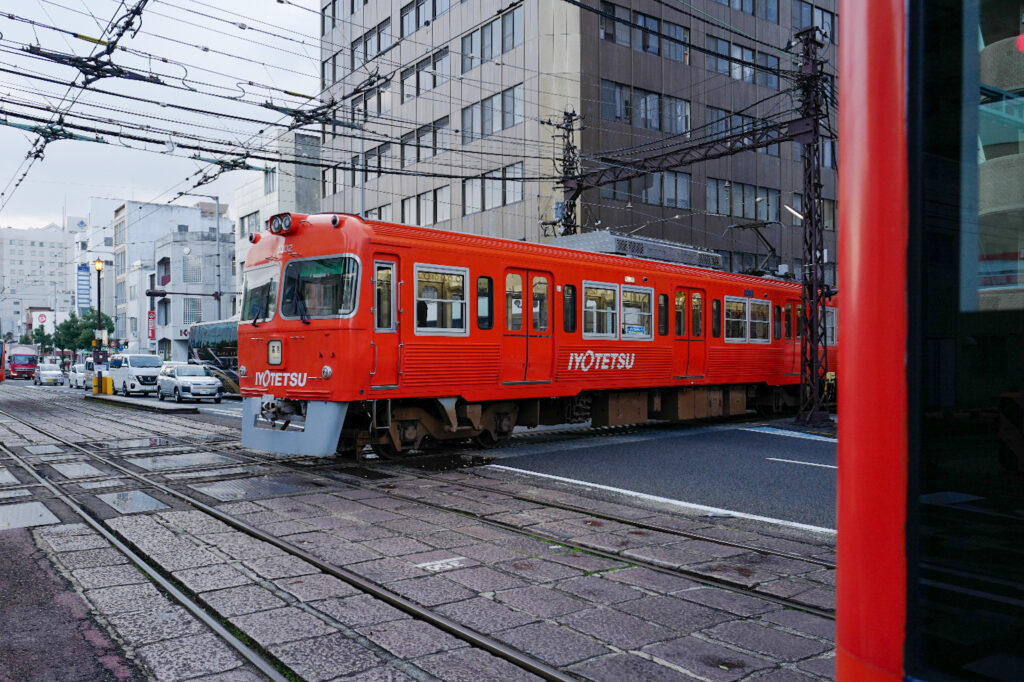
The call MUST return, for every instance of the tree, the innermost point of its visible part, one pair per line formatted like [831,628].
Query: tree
[87,328]
[65,336]
[25,339]
[42,339]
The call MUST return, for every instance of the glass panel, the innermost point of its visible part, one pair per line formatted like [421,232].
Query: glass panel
[324,287]
[697,329]
[484,302]
[514,302]
[569,308]
[541,314]
[636,314]
[680,313]
[760,320]
[440,300]
[600,311]
[735,320]
[384,297]
[259,301]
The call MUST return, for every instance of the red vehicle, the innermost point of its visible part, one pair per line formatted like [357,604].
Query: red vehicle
[931,428]
[368,332]
[3,360]
[22,360]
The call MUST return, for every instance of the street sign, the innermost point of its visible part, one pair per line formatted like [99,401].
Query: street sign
[151,321]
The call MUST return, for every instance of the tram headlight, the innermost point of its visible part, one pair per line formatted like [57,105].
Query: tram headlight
[286,222]
[275,225]
[275,352]
[326,372]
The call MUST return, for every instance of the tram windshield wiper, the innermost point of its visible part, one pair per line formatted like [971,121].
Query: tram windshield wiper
[301,302]
[263,307]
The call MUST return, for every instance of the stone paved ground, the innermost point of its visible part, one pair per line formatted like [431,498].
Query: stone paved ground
[594,617]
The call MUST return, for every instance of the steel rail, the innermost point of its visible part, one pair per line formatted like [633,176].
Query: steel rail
[154,574]
[454,628]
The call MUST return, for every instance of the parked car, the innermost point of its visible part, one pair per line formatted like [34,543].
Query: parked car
[183,381]
[134,373]
[76,377]
[47,374]
[89,374]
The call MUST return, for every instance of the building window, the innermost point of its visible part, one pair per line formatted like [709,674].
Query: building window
[676,115]
[718,196]
[615,31]
[192,269]
[646,109]
[493,39]
[805,14]
[499,187]
[191,310]
[677,42]
[615,102]
[744,199]
[441,300]
[494,114]
[270,181]
[798,206]
[249,224]
[677,189]
[768,74]
[743,65]
[768,204]
[645,33]
[718,59]
[133,326]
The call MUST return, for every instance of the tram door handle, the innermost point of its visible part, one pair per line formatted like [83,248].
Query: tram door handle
[376,358]
[400,347]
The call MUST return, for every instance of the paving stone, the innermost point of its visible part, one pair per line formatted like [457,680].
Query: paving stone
[387,570]
[785,587]
[73,543]
[260,518]
[672,556]
[237,675]
[193,557]
[608,542]
[785,675]
[489,553]
[804,622]
[484,579]
[124,598]
[725,600]
[240,546]
[108,576]
[826,667]
[652,580]
[474,665]
[431,590]
[554,645]
[145,627]
[289,527]
[448,539]
[315,586]
[281,625]
[824,598]
[825,576]
[583,561]
[409,526]
[291,507]
[236,601]
[741,575]
[621,667]
[343,553]
[599,590]
[538,570]
[775,643]
[64,529]
[681,616]
[410,638]
[108,556]
[362,531]
[775,564]
[706,660]
[211,578]
[382,674]
[484,615]
[360,610]
[324,658]
[616,628]
[439,561]
[181,659]
[482,532]
[527,545]
[194,522]
[280,567]
[397,546]
[545,602]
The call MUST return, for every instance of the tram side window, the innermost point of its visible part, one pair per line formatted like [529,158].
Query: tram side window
[680,313]
[831,336]
[569,308]
[799,321]
[484,302]
[736,319]
[697,328]
[760,322]
[789,321]
[541,311]
[637,315]
[385,296]
[716,318]
[778,322]
[514,302]
[441,300]
[663,314]
[600,311]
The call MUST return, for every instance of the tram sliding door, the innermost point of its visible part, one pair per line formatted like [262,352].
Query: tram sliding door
[386,343]
[528,350]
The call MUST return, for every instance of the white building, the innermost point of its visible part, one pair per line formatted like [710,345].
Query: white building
[34,268]
[186,264]
[91,241]
[137,228]
[286,188]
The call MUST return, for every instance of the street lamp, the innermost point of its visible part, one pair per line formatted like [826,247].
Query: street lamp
[216,199]
[98,264]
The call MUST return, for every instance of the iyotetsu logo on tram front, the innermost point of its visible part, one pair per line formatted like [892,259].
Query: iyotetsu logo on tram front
[591,360]
[268,378]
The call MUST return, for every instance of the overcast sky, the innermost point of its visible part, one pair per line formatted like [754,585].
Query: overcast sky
[280,40]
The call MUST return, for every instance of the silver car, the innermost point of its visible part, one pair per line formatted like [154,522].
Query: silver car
[188,382]
[48,375]
[76,377]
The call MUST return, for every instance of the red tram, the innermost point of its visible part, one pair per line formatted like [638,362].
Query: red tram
[931,427]
[381,334]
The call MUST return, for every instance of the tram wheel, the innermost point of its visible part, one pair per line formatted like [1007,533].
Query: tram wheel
[485,440]
[386,450]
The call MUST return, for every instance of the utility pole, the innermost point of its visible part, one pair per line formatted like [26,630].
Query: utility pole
[813,351]
[565,212]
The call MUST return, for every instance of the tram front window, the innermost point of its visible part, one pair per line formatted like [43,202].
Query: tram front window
[260,298]
[320,287]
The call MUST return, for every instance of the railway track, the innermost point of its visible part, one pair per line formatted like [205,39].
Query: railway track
[732,578]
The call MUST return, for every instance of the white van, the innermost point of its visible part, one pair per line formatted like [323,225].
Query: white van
[134,373]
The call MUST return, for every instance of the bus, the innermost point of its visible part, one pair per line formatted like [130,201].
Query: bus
[215,345]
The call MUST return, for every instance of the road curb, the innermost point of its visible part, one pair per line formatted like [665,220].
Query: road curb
[172,408]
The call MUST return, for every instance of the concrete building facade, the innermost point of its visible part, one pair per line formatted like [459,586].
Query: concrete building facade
[463,125]
[34,267]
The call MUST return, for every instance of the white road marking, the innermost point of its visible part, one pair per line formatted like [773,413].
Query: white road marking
[792,434]
[229,413]
[793,461]
[664,500]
